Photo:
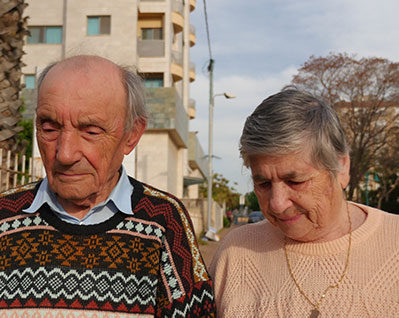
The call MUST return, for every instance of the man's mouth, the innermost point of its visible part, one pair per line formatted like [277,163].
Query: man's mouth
[70,175]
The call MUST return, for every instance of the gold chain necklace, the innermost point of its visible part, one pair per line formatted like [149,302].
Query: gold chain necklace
[315,311]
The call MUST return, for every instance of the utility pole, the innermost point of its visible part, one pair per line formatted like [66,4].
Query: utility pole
[210,143]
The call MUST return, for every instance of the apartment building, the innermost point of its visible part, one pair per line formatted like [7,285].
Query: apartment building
[153,35]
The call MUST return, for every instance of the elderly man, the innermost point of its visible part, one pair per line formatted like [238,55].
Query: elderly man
[316,254]
[89,240]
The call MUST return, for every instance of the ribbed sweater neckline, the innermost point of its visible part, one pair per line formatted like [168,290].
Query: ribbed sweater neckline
[371,223]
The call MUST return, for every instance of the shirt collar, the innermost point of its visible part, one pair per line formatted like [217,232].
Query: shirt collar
[120,196]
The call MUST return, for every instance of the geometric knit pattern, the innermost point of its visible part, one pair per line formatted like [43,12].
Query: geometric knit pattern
[200,272]
[251,277]
[145,265]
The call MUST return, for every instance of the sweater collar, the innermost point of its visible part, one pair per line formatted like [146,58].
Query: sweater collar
[372,222]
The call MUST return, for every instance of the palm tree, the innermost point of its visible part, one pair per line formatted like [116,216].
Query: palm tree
[12,32]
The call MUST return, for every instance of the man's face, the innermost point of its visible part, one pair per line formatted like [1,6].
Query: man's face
[80,132]
[303,201]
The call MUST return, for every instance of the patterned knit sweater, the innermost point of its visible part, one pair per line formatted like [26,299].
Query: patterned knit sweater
[145,265]
[251,276]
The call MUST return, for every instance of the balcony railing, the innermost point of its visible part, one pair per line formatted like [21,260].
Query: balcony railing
[177,6]
[151,48]
[191,108]
[177,57]
[167,113]
[196,155]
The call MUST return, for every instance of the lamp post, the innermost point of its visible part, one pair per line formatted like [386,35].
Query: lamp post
[210,153]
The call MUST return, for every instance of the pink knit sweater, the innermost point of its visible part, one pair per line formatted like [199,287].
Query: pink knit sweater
[251,276]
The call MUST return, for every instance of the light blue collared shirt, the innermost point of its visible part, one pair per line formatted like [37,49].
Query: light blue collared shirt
[118,200]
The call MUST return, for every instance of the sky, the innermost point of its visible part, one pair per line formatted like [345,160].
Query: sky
[258,45]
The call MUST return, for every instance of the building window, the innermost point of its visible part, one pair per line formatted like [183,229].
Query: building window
[30,81]
[153,80]
[98,25]
[45,34]
[151,33]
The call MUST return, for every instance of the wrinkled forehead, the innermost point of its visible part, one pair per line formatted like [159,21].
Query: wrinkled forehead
[82,90]
[96,78]
[85,68]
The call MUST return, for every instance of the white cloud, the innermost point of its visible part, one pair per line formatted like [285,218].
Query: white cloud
[258,45]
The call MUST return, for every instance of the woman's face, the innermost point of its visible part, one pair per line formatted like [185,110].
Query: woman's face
[305,202]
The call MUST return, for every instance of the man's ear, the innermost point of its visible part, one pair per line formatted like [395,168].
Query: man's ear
[134,135]
[343,175]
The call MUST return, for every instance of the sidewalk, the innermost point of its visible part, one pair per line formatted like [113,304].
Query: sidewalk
[210,248]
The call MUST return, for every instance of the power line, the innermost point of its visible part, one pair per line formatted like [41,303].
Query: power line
[207,30]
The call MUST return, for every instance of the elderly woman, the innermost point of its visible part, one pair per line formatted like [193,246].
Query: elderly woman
[316,254]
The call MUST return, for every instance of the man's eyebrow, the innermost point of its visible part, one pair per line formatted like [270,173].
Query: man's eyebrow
[45,118]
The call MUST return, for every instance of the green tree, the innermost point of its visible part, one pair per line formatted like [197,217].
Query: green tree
[365,93]
[222,192]
[251,201]
[25,136]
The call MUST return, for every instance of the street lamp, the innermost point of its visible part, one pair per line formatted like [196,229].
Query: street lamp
[210,154]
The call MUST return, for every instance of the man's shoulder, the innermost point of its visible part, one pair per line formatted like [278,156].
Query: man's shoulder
[19,198]
[380,216]
[156,194]
[18,190]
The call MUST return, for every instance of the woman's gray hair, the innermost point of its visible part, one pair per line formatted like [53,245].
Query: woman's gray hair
[135,106]
[289,122]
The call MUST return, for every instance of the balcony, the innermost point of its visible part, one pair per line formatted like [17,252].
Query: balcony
[167,114]
[193,36]
[192,72]
[196,157]
[191,108]
[177,16]
[192,5]
[151,48]
[176,67]
[152,6]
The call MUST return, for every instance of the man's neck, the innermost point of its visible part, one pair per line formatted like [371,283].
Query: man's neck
[80,207]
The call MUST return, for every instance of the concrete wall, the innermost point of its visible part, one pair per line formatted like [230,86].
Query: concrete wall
[198,210]
[73,18]
[152,163]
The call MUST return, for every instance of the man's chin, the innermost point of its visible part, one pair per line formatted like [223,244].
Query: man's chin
[73,193]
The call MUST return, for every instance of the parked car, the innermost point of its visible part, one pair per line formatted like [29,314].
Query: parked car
[255,216]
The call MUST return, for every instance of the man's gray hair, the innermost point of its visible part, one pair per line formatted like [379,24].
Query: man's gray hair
[135,95]
[289,122]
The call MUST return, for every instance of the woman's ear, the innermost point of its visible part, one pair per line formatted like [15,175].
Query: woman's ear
[343,175]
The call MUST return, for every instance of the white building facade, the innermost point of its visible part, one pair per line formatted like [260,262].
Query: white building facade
[155,36]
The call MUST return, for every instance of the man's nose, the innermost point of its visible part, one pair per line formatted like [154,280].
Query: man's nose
[68,148]
[279,198]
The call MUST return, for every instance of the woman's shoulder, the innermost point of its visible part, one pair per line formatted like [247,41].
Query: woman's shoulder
[260,236]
